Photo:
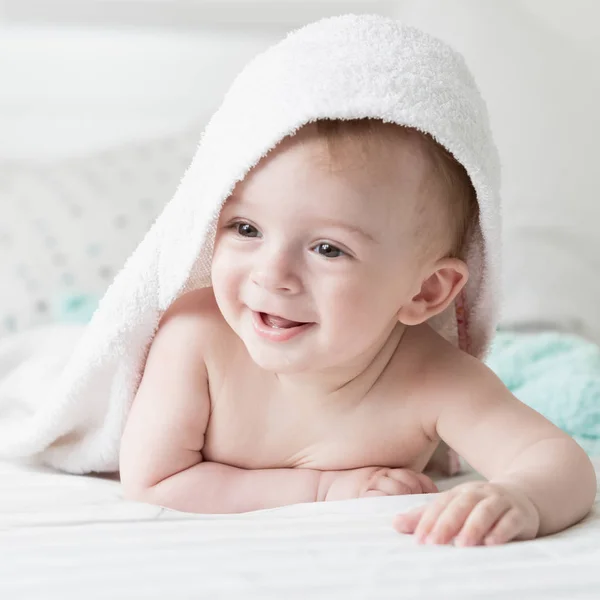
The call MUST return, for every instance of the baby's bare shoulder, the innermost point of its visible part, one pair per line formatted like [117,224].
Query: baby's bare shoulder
[199,305]
[197,326]
[195,315]
[451,377]
[470,408]
[442,363]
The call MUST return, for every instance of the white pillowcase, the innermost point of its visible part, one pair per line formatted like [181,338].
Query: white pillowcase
[67,227]
[542,88]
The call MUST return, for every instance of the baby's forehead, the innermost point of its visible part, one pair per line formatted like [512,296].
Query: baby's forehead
[302,184]
[383,156]
[310,167]
[367,142]
[379,174]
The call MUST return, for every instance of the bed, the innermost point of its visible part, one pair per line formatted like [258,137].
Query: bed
[117,122]
[65,536]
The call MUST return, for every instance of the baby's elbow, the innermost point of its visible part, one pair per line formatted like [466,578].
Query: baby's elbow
[138,478]
[135,491]
[591,483]
[583,486]
[135,487]
[155,495]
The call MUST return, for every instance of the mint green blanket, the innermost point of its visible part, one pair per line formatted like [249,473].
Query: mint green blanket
[555,373]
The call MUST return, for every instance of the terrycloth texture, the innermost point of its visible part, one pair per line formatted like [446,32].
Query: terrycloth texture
[556,374]
[341,68]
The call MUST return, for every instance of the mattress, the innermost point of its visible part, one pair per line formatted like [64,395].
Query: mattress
[71,536]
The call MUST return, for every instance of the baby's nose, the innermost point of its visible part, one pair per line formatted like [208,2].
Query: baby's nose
[278,274]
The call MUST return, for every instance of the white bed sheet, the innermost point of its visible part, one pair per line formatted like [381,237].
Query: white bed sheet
[65,536]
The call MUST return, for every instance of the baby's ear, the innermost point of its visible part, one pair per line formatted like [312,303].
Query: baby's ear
[439,288]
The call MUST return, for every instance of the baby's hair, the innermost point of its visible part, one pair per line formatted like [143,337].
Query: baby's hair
[460,198]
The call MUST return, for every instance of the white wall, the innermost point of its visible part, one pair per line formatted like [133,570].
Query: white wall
[67,90]
[83,74]
[575,19]
[186,14]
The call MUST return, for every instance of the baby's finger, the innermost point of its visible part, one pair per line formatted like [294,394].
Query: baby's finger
[391,487]
[431,515]
[417,482]
[427,484]
[372,493]
[482,520]
[408,521]
[452,519]
[507,528]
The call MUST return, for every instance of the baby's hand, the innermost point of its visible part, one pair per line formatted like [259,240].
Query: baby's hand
[472,514]
[375,481]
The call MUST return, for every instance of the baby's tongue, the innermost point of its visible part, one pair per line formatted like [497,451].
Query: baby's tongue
[279,322]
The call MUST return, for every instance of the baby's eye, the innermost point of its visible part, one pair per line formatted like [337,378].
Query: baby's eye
[246,230]
[327,250]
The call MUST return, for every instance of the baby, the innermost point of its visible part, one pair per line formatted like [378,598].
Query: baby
[310,372]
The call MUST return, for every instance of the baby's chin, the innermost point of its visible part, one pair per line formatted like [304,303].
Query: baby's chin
[281,361]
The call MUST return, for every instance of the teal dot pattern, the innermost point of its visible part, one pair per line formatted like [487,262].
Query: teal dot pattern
[68,226]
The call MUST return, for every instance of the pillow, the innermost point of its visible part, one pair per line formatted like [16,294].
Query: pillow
[542,87]
[67,227]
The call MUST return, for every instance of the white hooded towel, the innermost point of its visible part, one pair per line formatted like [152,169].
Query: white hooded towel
[347,67]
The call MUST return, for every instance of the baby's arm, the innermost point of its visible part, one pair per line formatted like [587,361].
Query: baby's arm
[161,447]
[540,480]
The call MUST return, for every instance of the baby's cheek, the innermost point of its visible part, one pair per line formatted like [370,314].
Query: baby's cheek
[366,303]
[219,282]
[225,288]
[224,269]
[354,321]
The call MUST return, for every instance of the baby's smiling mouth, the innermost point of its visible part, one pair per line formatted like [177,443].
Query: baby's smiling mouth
[279,322]
[274,328]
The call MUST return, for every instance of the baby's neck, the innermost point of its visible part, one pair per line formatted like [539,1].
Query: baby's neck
[349,383]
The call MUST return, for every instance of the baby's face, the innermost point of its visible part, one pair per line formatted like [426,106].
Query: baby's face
[336,251]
